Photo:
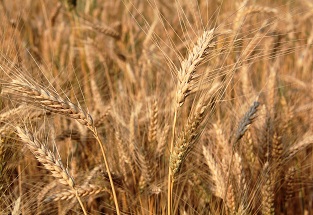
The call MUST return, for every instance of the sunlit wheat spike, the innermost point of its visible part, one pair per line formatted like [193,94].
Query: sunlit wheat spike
[46,157]
[186,74]
[49,100]
[82,191]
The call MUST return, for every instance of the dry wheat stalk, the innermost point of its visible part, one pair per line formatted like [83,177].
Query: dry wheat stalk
[221,142]
[90,60]
[104,114]
[246,10]
[272,90]
[245,83]
[20,113]
[43,192]
[8,115]
[145,168]
[163,137]
[238,172]
[55,13]
[48,159]
[251,159]
[217,177]
[91,174]
[124,154]
[277,148]
[188,137]
[219,180]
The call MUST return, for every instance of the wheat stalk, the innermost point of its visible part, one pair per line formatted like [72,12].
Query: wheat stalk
[55,103]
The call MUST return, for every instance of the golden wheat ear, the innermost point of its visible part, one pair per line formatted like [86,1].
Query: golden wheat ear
[49,161]
[35,94]
[46,157]
[187,73]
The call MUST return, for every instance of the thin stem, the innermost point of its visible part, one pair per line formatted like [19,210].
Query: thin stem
[80,202]
[170,174]
[108,170]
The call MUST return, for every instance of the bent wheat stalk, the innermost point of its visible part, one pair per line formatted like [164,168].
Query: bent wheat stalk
[49,161]
[53,102]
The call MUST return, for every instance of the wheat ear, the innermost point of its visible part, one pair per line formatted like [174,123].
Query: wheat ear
[49,100]
[186,82]
[188,137]
[82,191]
[186,74]
[49,161]
[55,103]
[246,121]
[268,191]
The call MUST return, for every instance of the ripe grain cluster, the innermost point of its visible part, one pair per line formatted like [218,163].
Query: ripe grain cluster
[156,107]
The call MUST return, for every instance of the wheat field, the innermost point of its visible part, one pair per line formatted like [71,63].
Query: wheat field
[156,107]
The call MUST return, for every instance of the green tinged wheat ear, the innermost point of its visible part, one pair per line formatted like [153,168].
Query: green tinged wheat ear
[190,133]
